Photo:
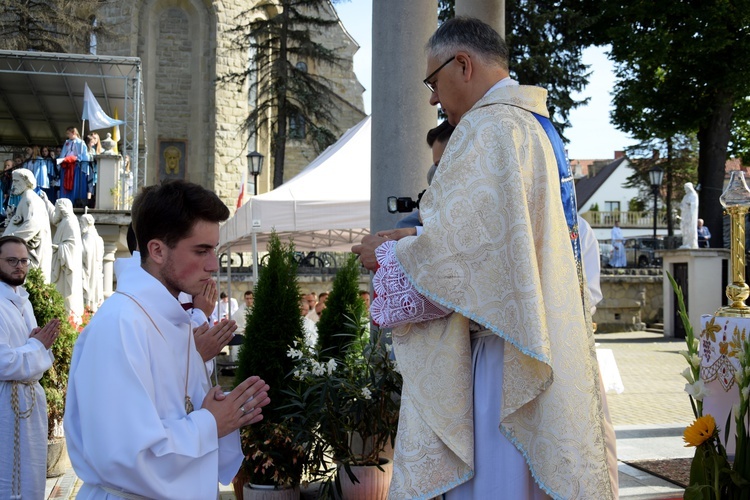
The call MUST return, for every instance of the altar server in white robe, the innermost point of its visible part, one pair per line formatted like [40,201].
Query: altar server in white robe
[24,357]
[142,420]
[490,329]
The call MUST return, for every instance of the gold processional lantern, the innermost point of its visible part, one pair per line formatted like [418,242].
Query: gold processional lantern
[736,200]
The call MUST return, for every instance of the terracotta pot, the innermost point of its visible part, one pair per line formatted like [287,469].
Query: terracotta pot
[373,483]
[57,457]
[265,492]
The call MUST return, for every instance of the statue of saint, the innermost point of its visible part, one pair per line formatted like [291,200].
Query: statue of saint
[689,222]
[30,221]
[93,256]
[66,257]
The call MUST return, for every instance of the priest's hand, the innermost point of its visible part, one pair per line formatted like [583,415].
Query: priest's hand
[210,341]
[240,407]
[397,234]
[366,251]
[206,300]
[47,334]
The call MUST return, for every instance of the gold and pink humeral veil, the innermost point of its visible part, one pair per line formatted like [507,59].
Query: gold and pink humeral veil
[496,248]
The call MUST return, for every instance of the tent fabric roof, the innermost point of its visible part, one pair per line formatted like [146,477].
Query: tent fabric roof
[41,93]
[324,207]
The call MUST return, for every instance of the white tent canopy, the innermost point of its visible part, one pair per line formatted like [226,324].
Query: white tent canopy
[324,207]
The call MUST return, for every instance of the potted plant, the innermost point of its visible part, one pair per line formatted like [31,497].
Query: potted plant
[273,457]
[48,303]
[347,402]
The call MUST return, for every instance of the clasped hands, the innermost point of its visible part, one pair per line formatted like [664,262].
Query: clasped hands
[47,334]
[241,407]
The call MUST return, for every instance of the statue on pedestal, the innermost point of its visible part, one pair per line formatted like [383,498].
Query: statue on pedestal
[66,256]
[689,221]
[30,221]
[93,260]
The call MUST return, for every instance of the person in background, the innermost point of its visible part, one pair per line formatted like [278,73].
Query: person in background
[617,257]
[308,325]
[224,309]
[24,357]
[315,312]
[704,235]
[241,315]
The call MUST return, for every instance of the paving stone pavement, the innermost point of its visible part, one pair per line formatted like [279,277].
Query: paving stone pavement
[649,416]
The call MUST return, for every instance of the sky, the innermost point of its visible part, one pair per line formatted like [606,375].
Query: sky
[591,136]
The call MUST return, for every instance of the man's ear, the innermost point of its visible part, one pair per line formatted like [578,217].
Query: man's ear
[467,68]
[157,251]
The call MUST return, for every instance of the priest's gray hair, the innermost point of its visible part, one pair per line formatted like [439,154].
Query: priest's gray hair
[471,35]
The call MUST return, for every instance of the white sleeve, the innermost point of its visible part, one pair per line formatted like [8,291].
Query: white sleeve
[591,260]
[396,300]
[127,428]
[27,362]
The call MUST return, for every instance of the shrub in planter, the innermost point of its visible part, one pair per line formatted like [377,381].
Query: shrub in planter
[336,328]
[48,303]
[273,455]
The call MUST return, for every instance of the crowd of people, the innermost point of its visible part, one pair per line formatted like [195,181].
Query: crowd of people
[65,171]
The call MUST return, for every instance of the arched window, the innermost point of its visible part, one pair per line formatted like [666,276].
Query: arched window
[92,36]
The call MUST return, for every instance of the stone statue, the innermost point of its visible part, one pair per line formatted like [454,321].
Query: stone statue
[30,221]
[66,257]
[108,144]
[689,222]
[93,260]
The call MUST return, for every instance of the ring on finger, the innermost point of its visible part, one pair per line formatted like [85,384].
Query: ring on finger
[242,409]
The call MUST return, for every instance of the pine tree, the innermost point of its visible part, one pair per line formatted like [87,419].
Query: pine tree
[273,326]
[336,327]
[286,92]
[49,25]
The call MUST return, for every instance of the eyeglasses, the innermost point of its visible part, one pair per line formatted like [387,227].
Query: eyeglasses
[431,85]
[14,262]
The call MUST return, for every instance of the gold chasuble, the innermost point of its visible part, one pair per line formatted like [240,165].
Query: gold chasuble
[496,250]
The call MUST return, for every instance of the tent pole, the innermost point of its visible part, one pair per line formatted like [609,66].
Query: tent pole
[255,260]
[229,282]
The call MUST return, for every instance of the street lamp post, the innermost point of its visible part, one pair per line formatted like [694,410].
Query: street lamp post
[655,176]
[255,167]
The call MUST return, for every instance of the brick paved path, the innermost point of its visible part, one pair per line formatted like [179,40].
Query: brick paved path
[650,368]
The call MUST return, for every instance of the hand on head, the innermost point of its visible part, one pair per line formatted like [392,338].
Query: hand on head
[240,407]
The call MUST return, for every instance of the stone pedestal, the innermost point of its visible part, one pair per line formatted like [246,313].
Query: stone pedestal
[701,273]
[107,186]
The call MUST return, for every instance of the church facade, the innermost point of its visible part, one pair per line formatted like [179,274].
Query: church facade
[193,123]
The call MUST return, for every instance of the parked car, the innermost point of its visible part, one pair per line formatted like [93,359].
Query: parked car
[605,251]
[640,251]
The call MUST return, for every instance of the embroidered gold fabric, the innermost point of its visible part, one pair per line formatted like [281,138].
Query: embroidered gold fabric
[495,248]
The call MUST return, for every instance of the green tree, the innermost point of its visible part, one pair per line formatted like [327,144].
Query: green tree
[677,157]
[48,304]
[279,40]
[49,25]
[545,50]
[272,453]
[336,327]
[273,325]
[685,57]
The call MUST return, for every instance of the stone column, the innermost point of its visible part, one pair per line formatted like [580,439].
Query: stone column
[491,12]
[108,267]
[401,113]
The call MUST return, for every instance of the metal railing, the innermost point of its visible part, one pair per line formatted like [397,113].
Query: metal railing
[644,219]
